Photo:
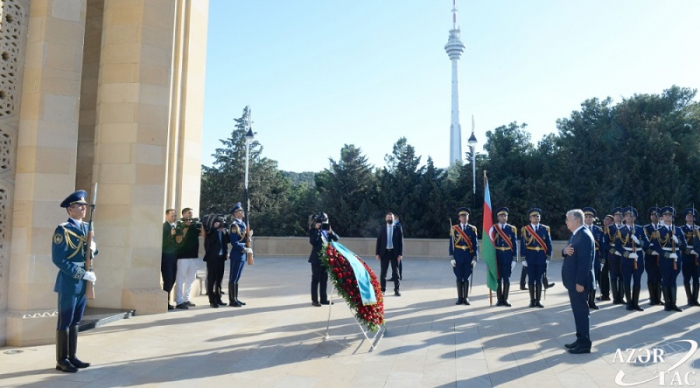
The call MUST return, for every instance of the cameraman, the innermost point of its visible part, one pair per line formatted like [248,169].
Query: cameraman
[168,259]
[215,255]
[187,234]
[320,233]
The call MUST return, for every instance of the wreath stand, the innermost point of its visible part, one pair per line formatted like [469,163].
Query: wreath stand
[373,342]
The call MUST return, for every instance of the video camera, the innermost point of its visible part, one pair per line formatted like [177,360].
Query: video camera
[212,218]
[192,222]
[323,219]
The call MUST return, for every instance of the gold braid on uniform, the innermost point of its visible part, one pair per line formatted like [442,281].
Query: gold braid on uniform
[75,247]
[238,232]
[525,237]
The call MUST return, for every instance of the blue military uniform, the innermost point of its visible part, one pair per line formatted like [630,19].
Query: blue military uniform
[616,286]
[600,251]
[651,262]
[690,259]
[632,257]
[505,241]
[463,250]
[669,250]
[238,256]
[68,253]
[536,247]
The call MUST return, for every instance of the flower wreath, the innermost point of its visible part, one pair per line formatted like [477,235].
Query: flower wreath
[343,277]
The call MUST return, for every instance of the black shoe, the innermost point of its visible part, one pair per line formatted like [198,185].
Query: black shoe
[523,288]
[603,298]
[65,366]
[182,306]
[214,305]
[170,307]
[571,345]
[549,285]
[580,350]
[593,306]
[327,302]
[397,293]
[234,304]
[460,301]
[314,304]
[190,304]
[220,302]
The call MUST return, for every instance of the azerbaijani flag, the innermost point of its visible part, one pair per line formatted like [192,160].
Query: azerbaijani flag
[488,252]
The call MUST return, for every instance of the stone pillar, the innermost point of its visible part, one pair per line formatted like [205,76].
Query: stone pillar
[46,163]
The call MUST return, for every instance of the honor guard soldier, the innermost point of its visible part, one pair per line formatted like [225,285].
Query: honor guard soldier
[505,240]
[68,254]
[600,249]
[630,243]
[536,246]
[668,242]
[464,249]
[616,285]
[651,262]
[690,257]
[238,233]
[604,259]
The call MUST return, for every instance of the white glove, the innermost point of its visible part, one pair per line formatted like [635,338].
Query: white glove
[249,250]
[93,246]
[90,276]
[633,256]
[548,261]
[512,265]
[673,255]
[525,263]
[636,240]
[618,253]
[453,262]
[654,253]
[675,239]
[473,262]
[692,252]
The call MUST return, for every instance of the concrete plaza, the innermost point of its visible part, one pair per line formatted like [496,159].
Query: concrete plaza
[278,340]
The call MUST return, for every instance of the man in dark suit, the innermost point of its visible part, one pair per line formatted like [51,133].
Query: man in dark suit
[168,258]
[389,250]
[215,255]
[578,278]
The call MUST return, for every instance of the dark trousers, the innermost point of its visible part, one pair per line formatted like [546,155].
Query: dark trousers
[690,271]
[236,270]
[168,268]
[632,277]
[215,274]
[604,279]
[615,270]
[70,310]
[668,274]
[534,273]
[319,281]
[582,318]
[389,257]
[651,264]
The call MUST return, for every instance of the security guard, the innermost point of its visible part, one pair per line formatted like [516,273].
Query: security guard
[668,242]
[464,250]
[616,285]
[651,262]
[536,246]
[630,243]
[68,254]
[505,240]
[690,257]
[600,248]
[238,233]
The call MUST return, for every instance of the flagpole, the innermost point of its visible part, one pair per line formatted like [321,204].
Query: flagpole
[490,290]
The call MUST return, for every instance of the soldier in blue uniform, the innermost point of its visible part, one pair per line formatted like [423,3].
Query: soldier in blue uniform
[668,242]
[630,243]
[536,247]
[651,261]
[464,249]
[600,249]
[505,240]
[616,286]
[690,257]
[238,256]
[68,254]
[605,267]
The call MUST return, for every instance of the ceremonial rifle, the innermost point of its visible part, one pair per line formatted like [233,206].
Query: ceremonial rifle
[90,286]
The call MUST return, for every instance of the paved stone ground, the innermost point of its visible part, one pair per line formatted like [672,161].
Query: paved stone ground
[278,340]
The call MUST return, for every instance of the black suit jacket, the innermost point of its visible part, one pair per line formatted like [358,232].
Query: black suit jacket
[396,238]
[578,268]
[169,245]
[316,240]
[212,245]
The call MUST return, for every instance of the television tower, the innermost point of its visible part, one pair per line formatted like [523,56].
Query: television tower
[454,49]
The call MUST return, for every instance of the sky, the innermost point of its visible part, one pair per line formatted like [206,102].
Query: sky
[320,74]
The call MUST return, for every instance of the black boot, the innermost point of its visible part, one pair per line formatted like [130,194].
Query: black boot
[499,295]
[235,289]
[635,298]
[615,293]
[652,293]
[465,290]
[62,362]
[532,297]
[546,282]
[506,291]
[523,276]
[621,290]
[538,296]
[232,296]
[695,296]
[688,294]
[630,303]
[659,294]
[591,300]
[667,299]
[604,288]
[460,293]
[73,348]
[674,306]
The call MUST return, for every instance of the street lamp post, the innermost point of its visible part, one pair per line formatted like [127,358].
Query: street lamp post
[472,147]
[249,137]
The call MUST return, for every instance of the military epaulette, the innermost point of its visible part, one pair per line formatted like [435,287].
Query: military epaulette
[545,226]
[515,229]
[63,223]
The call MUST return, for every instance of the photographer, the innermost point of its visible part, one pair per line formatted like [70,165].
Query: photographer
[187,232]
[320,233]
[215,255]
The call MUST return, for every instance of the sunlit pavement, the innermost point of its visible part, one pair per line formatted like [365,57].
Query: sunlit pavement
[278,340]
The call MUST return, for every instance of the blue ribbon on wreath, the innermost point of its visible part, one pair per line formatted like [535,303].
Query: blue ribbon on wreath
[364,284]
